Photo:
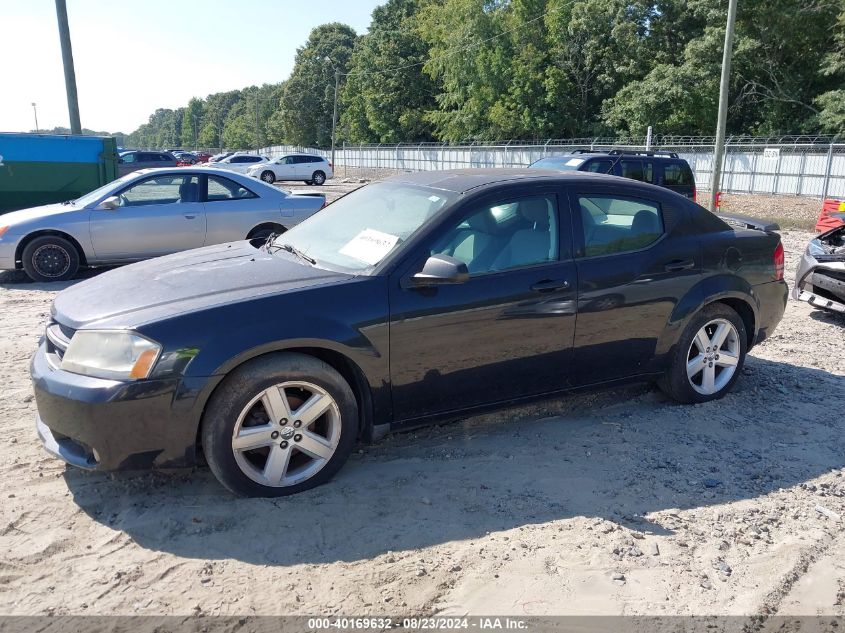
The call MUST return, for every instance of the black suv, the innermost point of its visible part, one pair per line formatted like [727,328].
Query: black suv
[664,169]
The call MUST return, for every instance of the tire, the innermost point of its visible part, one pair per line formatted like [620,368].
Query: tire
[700,371]
[318,178]
[268,176]
[50,258]
[265,232]
[275,461]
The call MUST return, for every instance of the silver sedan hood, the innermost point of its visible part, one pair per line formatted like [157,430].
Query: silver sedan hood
[15,218]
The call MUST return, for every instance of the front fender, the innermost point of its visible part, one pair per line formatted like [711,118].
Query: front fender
[708,290]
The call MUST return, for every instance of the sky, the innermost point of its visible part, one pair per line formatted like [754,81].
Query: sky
[133,56]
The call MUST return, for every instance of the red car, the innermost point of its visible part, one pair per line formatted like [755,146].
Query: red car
[202,157]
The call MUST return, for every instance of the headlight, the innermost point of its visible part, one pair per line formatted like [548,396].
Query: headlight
[117,355]
[815,249]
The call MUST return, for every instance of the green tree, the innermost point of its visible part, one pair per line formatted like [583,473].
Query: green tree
[831,104]
[191,121]
[386,94]
[308,98]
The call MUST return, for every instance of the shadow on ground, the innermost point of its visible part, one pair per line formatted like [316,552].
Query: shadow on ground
[617,455]
[18,279]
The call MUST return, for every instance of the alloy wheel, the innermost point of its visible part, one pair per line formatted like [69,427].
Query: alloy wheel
[713,357]
[286,434]
[51,260]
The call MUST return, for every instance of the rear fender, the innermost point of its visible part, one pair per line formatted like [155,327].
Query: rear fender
[709,290]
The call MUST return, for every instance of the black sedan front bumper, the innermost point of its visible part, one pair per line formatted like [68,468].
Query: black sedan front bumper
[821,284]
[102,424]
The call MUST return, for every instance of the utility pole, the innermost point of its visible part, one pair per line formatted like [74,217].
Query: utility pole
[719,148]
[67,61]
[334,114]
[257,127]
[35,112]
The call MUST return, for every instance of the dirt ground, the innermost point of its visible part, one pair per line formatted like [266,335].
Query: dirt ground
[612,503]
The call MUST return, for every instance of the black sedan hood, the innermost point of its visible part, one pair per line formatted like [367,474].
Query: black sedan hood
[197,279]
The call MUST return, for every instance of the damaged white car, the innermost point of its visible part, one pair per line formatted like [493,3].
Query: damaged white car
[820,279]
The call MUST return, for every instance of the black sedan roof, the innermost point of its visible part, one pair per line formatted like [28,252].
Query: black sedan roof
[463,180]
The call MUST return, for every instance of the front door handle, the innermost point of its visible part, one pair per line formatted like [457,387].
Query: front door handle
[190,217]
[550,285]
[678,265]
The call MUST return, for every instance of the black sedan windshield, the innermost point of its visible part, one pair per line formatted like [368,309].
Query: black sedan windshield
[358,231]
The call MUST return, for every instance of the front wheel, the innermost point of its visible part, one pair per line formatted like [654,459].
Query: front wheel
[268,176]
[708,358]
[50,258]
[318,178]
[278,425]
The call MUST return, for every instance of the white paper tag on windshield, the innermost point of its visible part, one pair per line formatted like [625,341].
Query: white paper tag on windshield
[574,162]
[369,246]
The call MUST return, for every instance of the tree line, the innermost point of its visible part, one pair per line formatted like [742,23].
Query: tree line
[460,70]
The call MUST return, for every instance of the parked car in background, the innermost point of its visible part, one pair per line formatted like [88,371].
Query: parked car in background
[135,160]
[820,278]
[185,158]
[202,157]
[312,170]
[240,163]
[145,214]
[664,169]
[426,296]
[219,157]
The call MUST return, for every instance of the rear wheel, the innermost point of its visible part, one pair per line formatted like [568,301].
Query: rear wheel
[709,356]
[279,425]
[268,176]
[50,258]
[258,236]
[318,178]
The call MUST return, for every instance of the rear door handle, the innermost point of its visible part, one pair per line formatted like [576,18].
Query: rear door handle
[190,217]
[550,285]
[678,265]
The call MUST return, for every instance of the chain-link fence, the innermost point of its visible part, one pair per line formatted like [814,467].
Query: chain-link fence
[812,166]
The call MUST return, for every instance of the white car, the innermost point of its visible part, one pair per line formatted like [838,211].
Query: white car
[310,169]
[241,163]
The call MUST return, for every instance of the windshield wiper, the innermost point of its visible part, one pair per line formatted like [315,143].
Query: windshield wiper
[73,202]
[292,249]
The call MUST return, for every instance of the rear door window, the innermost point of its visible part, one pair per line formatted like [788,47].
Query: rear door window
[600,166]
[220,188]
[617,224]
[632,169]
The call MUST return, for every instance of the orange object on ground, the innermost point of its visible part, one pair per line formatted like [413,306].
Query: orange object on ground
[827,219]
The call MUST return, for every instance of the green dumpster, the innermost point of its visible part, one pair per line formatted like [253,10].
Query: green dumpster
[38,169]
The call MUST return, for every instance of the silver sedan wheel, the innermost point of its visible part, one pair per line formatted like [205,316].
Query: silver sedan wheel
[713,357]
[286,434]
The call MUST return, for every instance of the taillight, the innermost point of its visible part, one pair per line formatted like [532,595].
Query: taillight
[779,260]
[330,165]
[718,199]
[694,194]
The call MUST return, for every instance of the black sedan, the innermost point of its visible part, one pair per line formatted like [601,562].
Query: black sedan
[423,297]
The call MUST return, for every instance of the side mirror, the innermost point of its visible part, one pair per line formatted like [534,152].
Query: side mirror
[439,270]
[121,161]
[109,204]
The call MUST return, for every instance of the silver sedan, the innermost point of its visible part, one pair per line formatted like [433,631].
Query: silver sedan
[145,214]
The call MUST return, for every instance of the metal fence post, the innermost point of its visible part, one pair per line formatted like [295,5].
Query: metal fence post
[801,167]
[828,165]
[777,174]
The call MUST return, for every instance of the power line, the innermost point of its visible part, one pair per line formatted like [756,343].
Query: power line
[465,48]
